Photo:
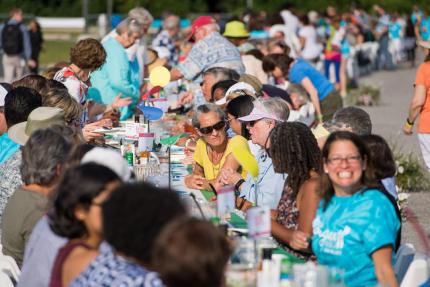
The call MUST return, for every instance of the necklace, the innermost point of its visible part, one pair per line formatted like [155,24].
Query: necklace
[212,159]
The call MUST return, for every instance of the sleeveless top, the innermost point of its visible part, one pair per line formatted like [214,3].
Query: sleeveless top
[63,253]
[288,216]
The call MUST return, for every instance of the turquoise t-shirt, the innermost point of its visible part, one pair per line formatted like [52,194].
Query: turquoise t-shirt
[7,147]
[350,229]
[115,77]
[302,69]
[394,30]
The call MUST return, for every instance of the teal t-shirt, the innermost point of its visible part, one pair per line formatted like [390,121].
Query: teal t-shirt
[7,147]
[350,229]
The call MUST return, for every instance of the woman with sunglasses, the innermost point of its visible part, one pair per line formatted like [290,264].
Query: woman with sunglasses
[214,149]
[356,226]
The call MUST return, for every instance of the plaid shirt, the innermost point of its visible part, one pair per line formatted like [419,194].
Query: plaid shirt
[163,39]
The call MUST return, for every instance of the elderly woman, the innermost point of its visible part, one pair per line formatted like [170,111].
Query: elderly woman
[356,226]
[214,149]
[42,159]
[420,105]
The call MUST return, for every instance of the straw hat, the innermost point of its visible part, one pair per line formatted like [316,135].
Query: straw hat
[424,44]
[235,29]
[39,118]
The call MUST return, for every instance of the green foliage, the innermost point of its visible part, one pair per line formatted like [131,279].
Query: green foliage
[186,7]
[365,95]
[411,175]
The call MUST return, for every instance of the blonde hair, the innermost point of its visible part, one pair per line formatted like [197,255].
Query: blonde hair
[61,98]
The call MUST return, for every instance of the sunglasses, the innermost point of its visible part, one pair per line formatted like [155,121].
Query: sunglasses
[252,123]
[208,130]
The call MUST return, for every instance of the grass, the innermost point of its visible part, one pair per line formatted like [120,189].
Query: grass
[54,51]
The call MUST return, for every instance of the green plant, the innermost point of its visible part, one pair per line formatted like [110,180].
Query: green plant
[364,95]
[411,176]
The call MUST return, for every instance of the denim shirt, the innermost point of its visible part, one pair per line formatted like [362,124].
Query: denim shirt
[269,185]
[212,51]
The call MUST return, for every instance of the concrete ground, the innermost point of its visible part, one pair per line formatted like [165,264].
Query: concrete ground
[388,118]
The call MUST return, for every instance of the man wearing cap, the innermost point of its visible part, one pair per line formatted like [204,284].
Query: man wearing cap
[267,189]
[210,50]
[237,34]
[39,118]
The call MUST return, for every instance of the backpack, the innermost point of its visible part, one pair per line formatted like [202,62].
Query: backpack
[12,39]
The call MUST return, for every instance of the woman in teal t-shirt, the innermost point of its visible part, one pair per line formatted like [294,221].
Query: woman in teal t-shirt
[356,225]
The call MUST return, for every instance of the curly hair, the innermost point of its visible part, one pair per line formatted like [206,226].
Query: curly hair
[283,62]
[78,187]
[294,150]
[368,178]
[88,54]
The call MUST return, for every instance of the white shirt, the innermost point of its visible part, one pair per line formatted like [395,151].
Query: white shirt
[291,21]
[312,48]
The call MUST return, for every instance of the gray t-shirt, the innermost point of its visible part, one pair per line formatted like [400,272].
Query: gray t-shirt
[22,212]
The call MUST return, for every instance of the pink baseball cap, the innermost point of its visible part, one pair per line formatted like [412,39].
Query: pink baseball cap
[258,113]
[200,22]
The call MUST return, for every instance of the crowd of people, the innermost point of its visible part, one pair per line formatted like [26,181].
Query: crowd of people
[72,213]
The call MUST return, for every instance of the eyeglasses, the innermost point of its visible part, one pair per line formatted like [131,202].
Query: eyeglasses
[353,159]
[208,130]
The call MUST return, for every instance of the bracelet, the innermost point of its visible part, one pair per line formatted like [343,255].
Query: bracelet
[188,141]
[238,184]
[320,117]
[409,123]
[242,203]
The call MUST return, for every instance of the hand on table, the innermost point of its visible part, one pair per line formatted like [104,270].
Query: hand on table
[299,240]
[186,98]
[229,176]
[195,181]
[89,134]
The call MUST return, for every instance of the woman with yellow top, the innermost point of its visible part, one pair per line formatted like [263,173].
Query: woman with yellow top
[214,148]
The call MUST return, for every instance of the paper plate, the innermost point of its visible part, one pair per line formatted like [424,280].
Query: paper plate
[247,161]
[151,113]
[159,76]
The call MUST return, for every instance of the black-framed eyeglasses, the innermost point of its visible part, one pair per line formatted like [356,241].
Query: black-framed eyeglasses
[208,130]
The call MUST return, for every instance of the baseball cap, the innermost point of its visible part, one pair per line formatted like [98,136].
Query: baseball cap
[236,87]
[39,118]
[258,113]
[109,158]
[200,22]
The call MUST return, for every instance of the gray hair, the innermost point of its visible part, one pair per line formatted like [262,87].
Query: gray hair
[222,74]
[204,109]
[277,107]
[350,118]
[45,150]
[171,21]
[129,26]
[214,27]
[141,14]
